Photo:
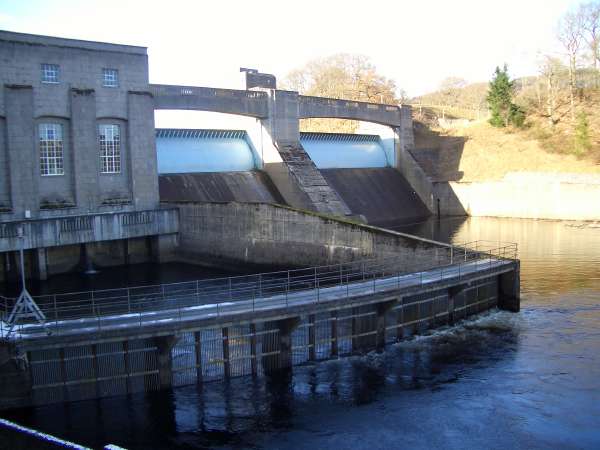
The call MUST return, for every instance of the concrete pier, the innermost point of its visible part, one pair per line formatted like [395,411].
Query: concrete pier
[509,286]
[164,345]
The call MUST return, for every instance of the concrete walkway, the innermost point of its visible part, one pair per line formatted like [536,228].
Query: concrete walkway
[193,311]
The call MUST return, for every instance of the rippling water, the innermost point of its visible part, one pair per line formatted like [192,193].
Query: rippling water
[502,380]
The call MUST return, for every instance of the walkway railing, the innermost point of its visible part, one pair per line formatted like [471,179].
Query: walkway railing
[262,290]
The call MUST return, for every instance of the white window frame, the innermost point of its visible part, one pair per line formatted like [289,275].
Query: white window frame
[50,73]
[51,147]
[109,140]
[110,77]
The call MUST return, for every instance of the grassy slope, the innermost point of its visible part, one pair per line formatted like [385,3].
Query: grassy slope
[489,153]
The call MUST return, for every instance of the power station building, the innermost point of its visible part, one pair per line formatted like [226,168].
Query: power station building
[76,143]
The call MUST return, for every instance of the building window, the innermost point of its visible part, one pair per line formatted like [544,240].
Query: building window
[110,148]
[110,77]
[50,73]
[51,149]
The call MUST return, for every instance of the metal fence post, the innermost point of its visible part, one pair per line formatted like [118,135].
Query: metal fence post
[55,310]
[287,288]
[317,285]
[347,286]
[128,300]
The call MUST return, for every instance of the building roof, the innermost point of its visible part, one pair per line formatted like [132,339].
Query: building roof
[36,39]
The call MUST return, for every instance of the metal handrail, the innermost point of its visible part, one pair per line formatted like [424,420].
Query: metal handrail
[213,293]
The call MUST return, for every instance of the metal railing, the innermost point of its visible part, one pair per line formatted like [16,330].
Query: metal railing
[142,304]
[201,91]
[343,103]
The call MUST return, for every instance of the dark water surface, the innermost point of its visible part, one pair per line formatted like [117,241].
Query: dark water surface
[116,277]
[500,381]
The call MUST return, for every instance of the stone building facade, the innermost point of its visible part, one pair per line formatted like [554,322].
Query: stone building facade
[74,116]
[76,132]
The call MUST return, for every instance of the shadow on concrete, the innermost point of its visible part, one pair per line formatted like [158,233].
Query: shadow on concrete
[381,195]
[439,156]
[248,186]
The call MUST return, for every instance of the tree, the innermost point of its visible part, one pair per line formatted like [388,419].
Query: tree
[451,90]
[553,71]
[570,35]
[590,23]
[342,76]
[583,142]
[503,111]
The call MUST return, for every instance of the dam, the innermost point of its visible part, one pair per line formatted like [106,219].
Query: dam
[301,215]
[224,165]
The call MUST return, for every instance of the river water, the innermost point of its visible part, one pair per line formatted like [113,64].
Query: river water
[502,380]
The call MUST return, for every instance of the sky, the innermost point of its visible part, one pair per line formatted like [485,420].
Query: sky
[204,43]
[416,43]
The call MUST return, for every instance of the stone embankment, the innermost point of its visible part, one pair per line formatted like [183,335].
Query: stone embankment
[531,195]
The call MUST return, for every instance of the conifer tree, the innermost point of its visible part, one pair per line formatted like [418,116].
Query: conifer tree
[582,134]
[503,111]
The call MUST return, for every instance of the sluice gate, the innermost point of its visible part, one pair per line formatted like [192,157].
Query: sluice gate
[186,335]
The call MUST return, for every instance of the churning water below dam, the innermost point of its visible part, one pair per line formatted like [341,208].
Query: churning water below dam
[500,380]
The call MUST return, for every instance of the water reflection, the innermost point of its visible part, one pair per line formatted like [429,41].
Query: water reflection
[555,256]
[501,380]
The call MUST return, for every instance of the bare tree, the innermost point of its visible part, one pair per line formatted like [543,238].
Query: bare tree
[570,35]
[296,81]
[553,72]
[451,90]
[590,17]
[343,76]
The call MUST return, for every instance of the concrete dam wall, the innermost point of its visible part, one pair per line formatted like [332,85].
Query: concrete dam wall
[381,195]
[223,166]
[246,187]
[265,235]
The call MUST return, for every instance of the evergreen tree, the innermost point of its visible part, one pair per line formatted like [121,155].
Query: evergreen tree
[504,112]
[582,134]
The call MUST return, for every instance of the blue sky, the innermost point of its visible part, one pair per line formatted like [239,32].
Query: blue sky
[416,43]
